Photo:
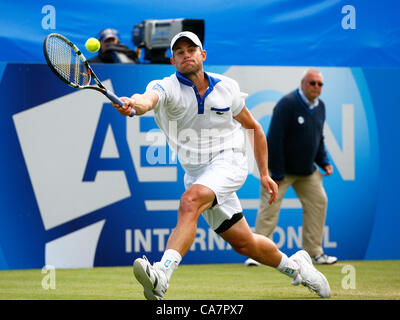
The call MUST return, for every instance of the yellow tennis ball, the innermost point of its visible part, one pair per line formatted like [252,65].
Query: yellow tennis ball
[92,44]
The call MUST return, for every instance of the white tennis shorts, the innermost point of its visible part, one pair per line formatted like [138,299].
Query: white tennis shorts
[224,176]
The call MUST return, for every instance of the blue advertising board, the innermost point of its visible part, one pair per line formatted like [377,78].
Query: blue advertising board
[82,186]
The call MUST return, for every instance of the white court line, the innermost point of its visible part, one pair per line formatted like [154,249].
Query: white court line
[173,205]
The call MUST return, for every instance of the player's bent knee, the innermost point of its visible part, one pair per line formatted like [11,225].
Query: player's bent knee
[242,247]
[196,200]
[186,204]
[188,208]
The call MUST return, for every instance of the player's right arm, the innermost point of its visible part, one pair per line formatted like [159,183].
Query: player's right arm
[260,148]
[142,103]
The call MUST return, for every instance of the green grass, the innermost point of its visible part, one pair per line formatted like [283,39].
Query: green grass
[374,280]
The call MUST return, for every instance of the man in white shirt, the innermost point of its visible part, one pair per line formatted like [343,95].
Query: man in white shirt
[202,115]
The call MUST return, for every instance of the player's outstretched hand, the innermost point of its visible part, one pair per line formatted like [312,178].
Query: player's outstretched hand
[271,186]
[127,107]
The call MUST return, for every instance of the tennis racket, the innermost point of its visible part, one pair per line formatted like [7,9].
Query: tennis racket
[70,65]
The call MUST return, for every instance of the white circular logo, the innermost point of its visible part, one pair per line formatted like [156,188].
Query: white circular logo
[300,119]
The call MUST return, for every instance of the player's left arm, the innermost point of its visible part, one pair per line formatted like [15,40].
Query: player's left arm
[260,149]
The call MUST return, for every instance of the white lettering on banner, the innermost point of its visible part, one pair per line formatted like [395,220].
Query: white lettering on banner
[214,238]
[156,239]
[142,241]
[128,240]
[345,158]
[326,243]
[292,237]
[207,240]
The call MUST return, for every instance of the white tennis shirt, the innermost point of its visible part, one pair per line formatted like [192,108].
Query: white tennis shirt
[199,128]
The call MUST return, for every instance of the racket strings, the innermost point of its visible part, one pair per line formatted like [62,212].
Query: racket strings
[67,62]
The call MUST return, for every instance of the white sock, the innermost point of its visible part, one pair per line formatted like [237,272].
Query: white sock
[170,261]
[288,266]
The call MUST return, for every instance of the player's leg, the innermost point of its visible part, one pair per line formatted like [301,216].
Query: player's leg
[155,278]
[261,249]
[255,246]
[298,267]
[194,201]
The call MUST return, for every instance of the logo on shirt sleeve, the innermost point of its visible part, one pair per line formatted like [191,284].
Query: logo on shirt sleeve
[157,87]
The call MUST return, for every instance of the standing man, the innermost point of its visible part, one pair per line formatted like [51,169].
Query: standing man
[296,144]
[202,115]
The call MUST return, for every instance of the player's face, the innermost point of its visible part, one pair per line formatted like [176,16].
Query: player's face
[312,85]
[187,57]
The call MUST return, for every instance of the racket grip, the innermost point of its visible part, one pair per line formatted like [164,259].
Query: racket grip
[133,113]
[118,101]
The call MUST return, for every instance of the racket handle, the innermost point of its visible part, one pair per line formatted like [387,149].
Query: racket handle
[118,101]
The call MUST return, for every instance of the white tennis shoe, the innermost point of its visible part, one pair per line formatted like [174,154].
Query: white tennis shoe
[251,263]
[323,258]
[309,276]
[153,280]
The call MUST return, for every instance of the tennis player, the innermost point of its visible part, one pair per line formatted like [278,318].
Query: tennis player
[203,116]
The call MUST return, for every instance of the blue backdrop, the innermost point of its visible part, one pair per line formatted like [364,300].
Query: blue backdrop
[81,186]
